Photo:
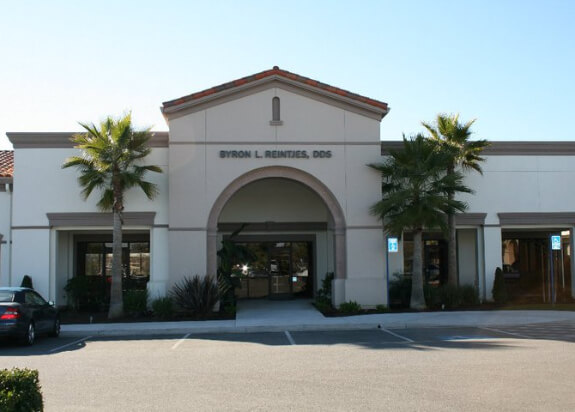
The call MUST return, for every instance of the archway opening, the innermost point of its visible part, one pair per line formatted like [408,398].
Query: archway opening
[292,224]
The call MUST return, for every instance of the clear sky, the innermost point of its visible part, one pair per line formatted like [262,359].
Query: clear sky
[510,64]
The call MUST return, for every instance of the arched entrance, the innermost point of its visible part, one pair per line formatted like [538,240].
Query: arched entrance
[335,218]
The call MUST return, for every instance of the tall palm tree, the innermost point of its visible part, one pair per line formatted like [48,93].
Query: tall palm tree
[415,192]
[111,162]
[452,137]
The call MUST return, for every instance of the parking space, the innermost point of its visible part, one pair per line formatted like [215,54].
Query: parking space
[42,346]
[564,331]
[262,370]
[191,341]
[377,337]
[357,337]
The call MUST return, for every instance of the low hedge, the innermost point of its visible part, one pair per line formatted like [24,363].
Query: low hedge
[20,390]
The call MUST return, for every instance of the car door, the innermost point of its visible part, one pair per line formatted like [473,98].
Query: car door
[40,310]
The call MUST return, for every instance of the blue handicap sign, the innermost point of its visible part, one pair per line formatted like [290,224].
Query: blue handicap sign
[392,245]
[556,242]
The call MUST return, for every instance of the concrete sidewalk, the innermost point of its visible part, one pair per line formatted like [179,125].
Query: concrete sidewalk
[266,316]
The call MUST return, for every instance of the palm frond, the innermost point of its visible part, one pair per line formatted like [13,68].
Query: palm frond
[111,156]
[416,187]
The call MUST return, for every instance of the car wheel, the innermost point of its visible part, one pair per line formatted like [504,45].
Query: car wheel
[56,329]
[30,335]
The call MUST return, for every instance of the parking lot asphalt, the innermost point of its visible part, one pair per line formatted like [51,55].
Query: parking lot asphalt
[416,368]
[373,337]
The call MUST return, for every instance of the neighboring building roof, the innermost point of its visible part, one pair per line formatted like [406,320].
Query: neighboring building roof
[508,148]
[53,140]
[274,74]
[6,163]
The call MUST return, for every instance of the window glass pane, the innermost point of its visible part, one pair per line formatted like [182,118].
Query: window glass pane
[140,259]
[93,259]
[6,296]
[39,299]
[300,267]
[33,299]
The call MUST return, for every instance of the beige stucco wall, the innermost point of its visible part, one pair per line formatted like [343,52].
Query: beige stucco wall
[200,173]
[42,186]
[6,245]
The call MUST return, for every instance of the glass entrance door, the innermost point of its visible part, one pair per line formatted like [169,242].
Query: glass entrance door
[280,270]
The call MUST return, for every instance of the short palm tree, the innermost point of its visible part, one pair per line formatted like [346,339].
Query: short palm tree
[452,137]
[415,192]
[111,162]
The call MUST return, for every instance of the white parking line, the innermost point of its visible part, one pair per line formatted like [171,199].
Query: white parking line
[395,334]
[70,344]
[178,343]
[289,338]
[507,333]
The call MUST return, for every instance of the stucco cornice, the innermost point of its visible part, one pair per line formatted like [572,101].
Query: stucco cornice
[537,218]
[99,219]
[508,148]
[475,219]
[55,140]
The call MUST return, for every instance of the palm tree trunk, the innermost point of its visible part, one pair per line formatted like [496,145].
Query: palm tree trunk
[116,302]
[417,297]
[452,272]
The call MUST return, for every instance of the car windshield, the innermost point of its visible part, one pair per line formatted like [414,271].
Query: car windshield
[6,296]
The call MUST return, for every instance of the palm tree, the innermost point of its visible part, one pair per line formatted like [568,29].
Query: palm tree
[453,138]
[415,192]
[110,162]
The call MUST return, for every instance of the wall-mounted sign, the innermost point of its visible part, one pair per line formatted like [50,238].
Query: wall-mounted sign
[275,154]
[555,242]
[392,245]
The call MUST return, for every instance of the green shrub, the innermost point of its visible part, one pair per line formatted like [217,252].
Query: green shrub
[88,292]
[499,290]
[196,295]
[449,296]
[228,309]
[323,306]
[432,296]
[382,308]
[350,307]
[400,290]
[323,296]
[27,282]
[163,307]
[136,302]
[324,293]
[20,390]
[469,295]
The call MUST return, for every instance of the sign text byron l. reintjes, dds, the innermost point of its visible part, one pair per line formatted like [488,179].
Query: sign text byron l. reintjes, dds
[275,154]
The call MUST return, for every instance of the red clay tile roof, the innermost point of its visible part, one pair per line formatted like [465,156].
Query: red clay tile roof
[276,71]
[6,163]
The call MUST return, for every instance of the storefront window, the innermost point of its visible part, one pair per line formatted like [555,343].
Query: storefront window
[95,259]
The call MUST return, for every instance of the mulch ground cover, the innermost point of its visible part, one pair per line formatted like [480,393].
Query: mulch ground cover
[70,317]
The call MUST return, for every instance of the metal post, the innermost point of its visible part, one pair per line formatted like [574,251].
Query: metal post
[387,268]
[551,273]
[562,268]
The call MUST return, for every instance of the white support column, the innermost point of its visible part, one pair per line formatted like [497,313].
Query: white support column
[480,251]
[572,258]
[159,262]
[492,256]
[52,268]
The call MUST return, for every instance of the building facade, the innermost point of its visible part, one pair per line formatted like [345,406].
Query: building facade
[283,159]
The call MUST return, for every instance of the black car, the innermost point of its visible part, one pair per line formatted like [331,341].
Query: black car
[24,313]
